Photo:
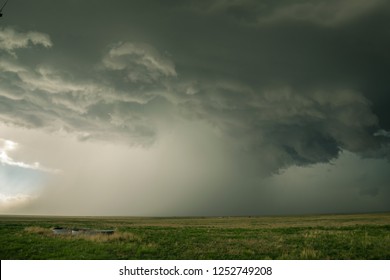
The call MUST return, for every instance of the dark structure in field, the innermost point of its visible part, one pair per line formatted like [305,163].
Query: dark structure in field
[81,231]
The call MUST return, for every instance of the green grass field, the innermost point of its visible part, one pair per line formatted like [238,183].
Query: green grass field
[363,236]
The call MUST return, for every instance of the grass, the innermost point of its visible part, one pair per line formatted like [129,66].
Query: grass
[364,236]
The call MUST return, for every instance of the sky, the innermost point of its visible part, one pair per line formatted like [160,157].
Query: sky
[194,108]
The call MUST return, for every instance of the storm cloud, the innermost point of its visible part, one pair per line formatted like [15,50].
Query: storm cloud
[215,98]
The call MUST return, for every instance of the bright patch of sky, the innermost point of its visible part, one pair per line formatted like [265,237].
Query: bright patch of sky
[19,181]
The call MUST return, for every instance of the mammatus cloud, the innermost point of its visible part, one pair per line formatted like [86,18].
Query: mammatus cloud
[39,96]
[141,62]
[11,40]
[239,91]
[279,125]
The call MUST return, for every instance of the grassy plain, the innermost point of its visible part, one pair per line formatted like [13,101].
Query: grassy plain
[358,236]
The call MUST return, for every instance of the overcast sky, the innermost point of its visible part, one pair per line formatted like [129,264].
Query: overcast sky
[224,107]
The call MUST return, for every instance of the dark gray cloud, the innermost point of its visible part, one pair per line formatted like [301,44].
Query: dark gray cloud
[278,83]
[48,97]
[301,71]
